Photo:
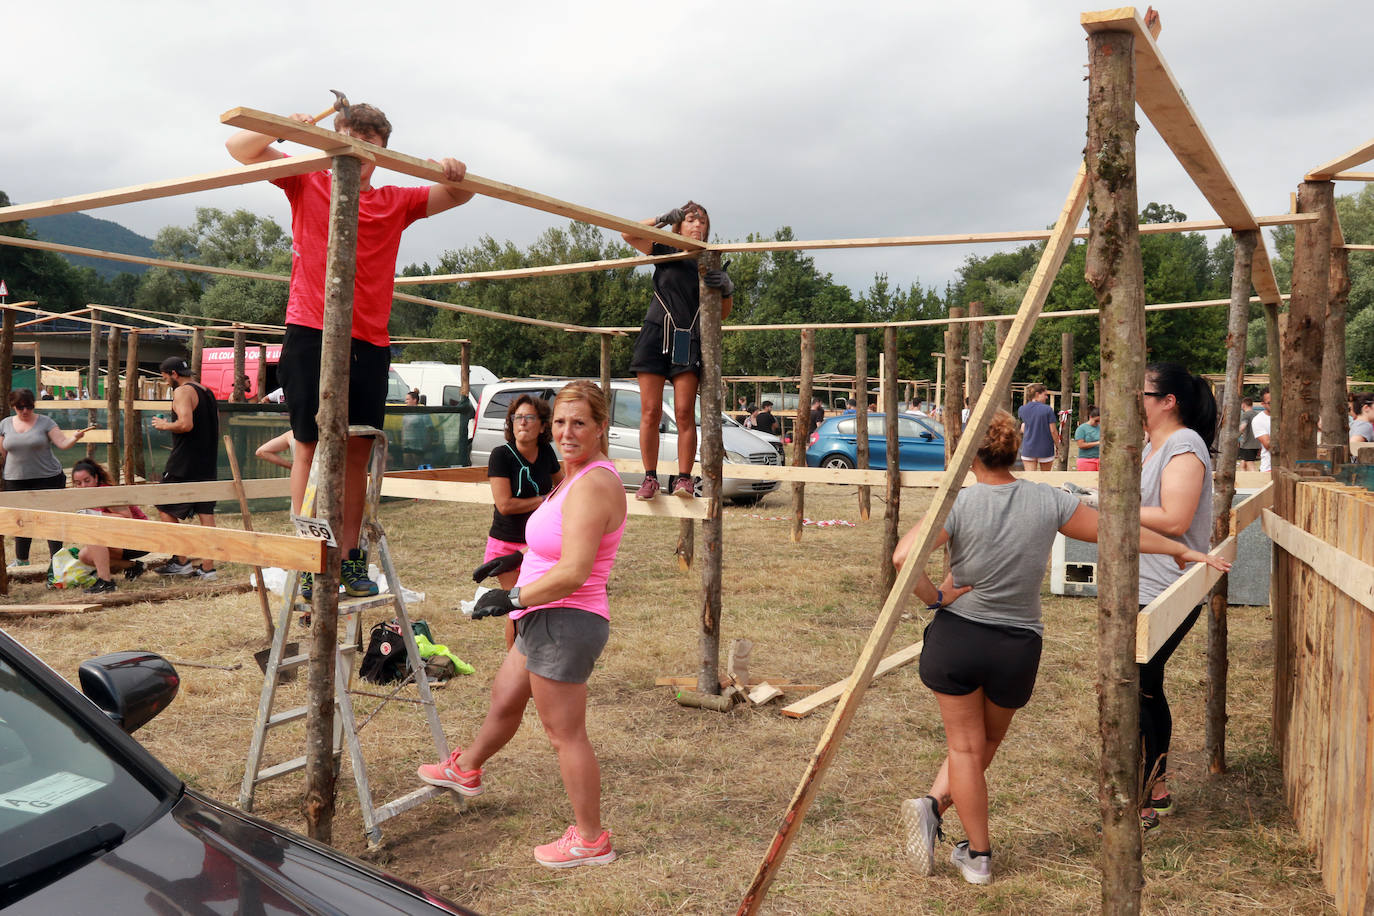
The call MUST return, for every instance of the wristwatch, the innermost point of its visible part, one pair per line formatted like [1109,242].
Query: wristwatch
[515,597]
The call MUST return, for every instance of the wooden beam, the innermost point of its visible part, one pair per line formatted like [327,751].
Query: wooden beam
[1158,620]
[1350,574]
[225,178]
[321,138]
[1161,98]
[100,404]
[224,544]
[827,695]
[74,499]
[138,259]
[546,270]
[499,316]
[1357,156]
[480,493]
[1353,176]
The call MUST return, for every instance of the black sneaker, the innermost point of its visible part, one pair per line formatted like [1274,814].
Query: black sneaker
[353,574]
[133,572]
[101,586]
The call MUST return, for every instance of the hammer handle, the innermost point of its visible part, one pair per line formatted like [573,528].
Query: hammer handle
[319,117]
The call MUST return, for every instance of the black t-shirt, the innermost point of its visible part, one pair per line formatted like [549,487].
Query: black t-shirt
[765,422]
[678,288]
[506,462]
[817,416]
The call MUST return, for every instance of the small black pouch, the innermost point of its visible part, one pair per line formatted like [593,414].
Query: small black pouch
[682,347]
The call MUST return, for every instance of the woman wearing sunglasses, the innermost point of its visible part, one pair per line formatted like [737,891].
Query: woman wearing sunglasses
[521,474]
[26,444]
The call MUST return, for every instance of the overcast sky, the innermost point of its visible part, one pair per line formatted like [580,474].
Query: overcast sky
[839,120]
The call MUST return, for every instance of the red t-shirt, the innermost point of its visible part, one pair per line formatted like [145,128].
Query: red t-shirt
[383,214]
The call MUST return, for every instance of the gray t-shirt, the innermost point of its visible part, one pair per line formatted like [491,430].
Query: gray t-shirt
[1000,537]
[1362,428]
[1157,571]
[29,454]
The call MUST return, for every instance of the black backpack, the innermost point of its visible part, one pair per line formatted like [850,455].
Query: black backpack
[385,659]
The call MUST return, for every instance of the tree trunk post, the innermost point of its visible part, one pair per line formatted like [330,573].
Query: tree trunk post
[132,428]
[606,365]
[952,416]
[974,383]
[861,419]
[1113,269]
[330,459]
[262,372]
[238,392]
[801,428]
[465,368]
[6,359]
[712,457]
[892,517]
[999,335]
[1224,486]
[1335,406]
[1303,340]
[197,350]
[37,369]
[114,449]
[1273,341]
[1066,426]
[93,373]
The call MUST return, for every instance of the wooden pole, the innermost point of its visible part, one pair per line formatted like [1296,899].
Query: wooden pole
[240,388]
[1273,340]
[1334,406]
[1303,341]
[975,354]
[952,416]
[262,372]
[1083,402]
[112,403]
[892,517]
[131,416]
[93,371]
[465,367]
[37,370]
[1065,400]
[712,457]
[1224,487]
[330,458]
[606,365]
[1000,331]
[6,361]
[1114,271]
[248,526]
[861,418]
[801,428]
[197,350]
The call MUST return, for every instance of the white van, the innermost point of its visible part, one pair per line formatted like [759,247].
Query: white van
[440,384]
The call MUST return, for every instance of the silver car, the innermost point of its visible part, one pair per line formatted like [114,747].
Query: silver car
[742,446]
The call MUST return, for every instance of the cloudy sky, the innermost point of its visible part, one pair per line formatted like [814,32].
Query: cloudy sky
[839,120]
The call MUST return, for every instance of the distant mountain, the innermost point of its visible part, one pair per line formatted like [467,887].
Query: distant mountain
[88,232]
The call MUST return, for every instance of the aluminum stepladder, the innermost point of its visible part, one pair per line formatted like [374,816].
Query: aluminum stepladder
[345,728]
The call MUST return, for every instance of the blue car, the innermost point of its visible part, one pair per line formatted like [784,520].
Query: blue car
[921,443]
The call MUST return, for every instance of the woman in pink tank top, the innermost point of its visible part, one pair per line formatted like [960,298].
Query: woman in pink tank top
[562,622]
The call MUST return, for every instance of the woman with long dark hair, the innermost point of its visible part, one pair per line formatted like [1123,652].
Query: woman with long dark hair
[27,440]
[90,473]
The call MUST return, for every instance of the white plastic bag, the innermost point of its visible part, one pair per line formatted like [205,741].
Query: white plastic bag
[69,572]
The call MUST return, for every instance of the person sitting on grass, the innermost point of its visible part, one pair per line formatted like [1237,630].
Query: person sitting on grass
[982,646]
[106,560]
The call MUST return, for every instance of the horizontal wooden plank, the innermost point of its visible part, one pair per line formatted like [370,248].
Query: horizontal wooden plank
[1357,156]
[1349,574]
[98,437]
[1248,510]
[144,494]
[223,544]
[320,138]
[480,493]
[454,474]
[101,404]
[1158,620]
[546,270]
[138,259]
[1353,176]
[224,178]
[826,695]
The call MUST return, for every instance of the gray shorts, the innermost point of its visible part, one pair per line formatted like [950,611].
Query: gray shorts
[561,643]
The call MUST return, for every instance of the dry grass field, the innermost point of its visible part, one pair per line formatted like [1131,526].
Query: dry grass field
[693,797]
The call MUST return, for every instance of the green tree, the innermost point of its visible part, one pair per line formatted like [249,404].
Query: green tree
[41,276]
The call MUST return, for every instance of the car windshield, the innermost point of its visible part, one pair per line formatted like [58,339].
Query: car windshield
[64,794]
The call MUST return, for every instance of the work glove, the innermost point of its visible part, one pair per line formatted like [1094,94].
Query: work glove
[495,567]
[494,603]
[717,278]
[671,218]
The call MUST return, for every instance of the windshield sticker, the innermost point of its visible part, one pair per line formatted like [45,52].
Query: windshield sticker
[49,792]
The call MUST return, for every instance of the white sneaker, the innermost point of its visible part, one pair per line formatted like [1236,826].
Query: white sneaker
[921,823]
[975,869]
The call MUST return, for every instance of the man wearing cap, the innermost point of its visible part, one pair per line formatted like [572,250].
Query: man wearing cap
[195,456]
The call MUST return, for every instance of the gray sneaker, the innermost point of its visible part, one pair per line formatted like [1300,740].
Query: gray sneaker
[975,869]
[173,568]
[921,824]
[205,575]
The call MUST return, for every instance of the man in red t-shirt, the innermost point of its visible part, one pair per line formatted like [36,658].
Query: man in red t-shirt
[383,214]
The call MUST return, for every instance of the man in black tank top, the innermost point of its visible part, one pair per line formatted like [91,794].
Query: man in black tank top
[195,456]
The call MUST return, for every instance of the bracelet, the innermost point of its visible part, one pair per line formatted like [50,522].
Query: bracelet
[939,601]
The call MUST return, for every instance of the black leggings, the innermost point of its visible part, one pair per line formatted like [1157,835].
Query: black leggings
[55,482]
[1156,723]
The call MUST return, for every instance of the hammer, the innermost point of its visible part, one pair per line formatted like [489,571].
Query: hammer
[340,104]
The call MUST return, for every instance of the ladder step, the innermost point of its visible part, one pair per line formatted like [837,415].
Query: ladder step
[350,605]
[295,661]
[280,769]
[408,801]
[287,715]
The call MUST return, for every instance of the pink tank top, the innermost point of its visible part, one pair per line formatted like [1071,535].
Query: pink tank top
[544,534]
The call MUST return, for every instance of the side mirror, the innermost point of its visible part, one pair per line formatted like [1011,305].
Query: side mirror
[928,437]
[129,687]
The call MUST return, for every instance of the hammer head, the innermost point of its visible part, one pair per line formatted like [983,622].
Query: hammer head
[340,103]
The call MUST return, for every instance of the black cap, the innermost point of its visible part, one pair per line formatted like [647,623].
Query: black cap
[175,364]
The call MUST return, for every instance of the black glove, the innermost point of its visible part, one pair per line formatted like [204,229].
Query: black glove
[495,603]
[719,279]
[671,218]
[495,567]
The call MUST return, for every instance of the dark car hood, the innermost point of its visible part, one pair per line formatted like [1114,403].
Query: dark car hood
[205,858]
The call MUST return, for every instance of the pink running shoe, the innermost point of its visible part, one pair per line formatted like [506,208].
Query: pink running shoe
[571,850]
[683,487]
[448,774]
[648,489]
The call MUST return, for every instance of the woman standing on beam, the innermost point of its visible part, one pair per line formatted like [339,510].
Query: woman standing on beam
[1176,501]
[669,344]
[982,647]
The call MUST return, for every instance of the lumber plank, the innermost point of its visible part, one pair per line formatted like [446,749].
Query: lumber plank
[99,404]
[827,695]
[1328,170]
[12,611]
[1353,176]
[480,493]
[224,178]
[546,270]
[321,138]
[143,494]
[469,475]
[139,259]
[1161,98]
[1352,576]
[224,544]
[1158,620]
[1249,509]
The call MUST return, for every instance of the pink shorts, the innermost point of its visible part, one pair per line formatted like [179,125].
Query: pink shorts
[1088,464]
[497,548]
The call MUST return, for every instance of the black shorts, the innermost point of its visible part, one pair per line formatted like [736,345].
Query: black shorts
[649,357]
[1247,454]
[184,511]
[961,655]
[299,374]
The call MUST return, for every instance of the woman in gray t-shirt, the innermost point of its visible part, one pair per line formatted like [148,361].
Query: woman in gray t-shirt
[982,647]
[26,444]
